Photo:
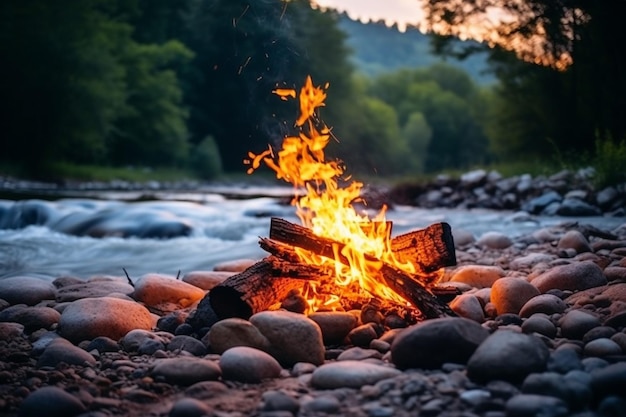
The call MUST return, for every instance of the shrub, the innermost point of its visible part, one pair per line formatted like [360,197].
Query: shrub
[610,162]
[205,160]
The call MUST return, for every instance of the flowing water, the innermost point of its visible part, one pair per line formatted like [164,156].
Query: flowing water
[104,233]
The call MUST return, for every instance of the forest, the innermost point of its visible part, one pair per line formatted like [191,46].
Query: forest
[186,85]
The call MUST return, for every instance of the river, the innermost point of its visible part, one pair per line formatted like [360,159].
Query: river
[104,233]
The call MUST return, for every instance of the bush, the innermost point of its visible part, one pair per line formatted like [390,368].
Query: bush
[610,162]
[205,160]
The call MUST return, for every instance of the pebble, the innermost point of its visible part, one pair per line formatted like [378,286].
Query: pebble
[26,290]
[543,303]
[576,276]
[247,364]
[51,402]
[32,318]
[509,356]
[533,405]
[576,392]
[61,350]
[189,407]
[293,337]
[564,360]
[432,343]
[362,335]
[274,400]
[335,325]
[89,318]
[94,289]
[538,323]
[609,380]
[530,260]
[602,347]
[206,280]
[232,332]
[573,239]
[509,294]
[494,240]
[165,293]
[188,344]
[350,374]
[468,306]
[185,370]
[134,339]
[477,276]
[10,331]
[206,389]
[575,323]
[358,354]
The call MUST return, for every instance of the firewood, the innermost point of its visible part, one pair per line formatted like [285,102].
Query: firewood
[429,249]
[400,282]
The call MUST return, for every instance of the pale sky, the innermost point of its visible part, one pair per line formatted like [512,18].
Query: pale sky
[402,12]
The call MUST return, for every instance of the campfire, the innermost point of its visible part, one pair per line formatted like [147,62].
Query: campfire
[337,256]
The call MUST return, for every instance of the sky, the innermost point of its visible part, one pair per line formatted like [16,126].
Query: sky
[402,12]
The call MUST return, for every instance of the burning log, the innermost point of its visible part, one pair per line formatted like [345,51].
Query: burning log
[430,249]
[400,282]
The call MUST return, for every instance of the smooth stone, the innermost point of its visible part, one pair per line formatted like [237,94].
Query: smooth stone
[575,277]
[166,293]
[26,290]
[32,318]
[293,337]
[232,332]
[205,390]
[609,380]
[362,335]
[279,401]
[602,347]
[509,294]
[60,350]
[599,332]
[358,354]
[539,324]
[185,370]
[206,280]
[530,260]
[134,339]
[432,343]
[324,404]
[43,340]
[575,207]
[188,344]
[51,402]
[93,289]
[335,325]
[573,239]
[103,344]
[543,303]
[573,390]
[462,237]
[537,204]
[89,318]
[620,339]
[575,323]
[10,331]
[509,356]
[477,276]
[237,265]
[564,361]
[533,405]
[468,306]
[350,374]
[246,364]
[494,240]
[189,407]
[593,363]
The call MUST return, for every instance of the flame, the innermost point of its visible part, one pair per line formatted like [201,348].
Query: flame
[327,206]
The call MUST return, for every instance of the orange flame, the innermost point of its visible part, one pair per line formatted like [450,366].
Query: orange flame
[326,207]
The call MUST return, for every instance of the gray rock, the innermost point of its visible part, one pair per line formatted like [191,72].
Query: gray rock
[474,178]
[185,370]
[533,405]
[10,331]
[494,240]
[468,306]
[538,323]
[575,392]
[166,293]
[188,344]
[575,207]
[509,294]
[508,356]
[543,303]
[358,354]
[477,276]
[530,260]
[232,332]
[350,374]
[335,325]
[279,401]
[537,204]
[606,197]
[362,335]
[134,339]
[247,364]
[26,290]
[609,380]
[103,344]
[206,280]
[575,276]
[32,318]
[93,289]
[51,402]
[189,407]
[432,343]
[89,318]
[575,323]
[326,404]
[60,350]
[205,390]
[599,332]
[573,239]
[602,347]
[564,361]
[293,337]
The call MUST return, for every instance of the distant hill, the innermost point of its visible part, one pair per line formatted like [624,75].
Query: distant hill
[378,49]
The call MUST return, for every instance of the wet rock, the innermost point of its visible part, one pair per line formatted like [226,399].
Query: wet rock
[51,402]
[166,293]
[32,318]
[247,364]
[88,318]
[576,323]
[350,374]
[25,290]
[206,280]
[335,325]
[575,276]
[477,276]
[468,306]
[60,350]
[293,337]
[602,347]
[232,332]
[509,356]
[538,323]
[494,240]
[236,266]
[543,303]
[573,239]
[509,294]
[532,405]
[185,371]
[189,407]
[188,344]
[432,343]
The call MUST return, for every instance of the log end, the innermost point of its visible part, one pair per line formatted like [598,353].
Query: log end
[227,303]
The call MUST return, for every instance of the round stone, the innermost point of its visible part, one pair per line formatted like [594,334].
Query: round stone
[602,347]
[576,276]
[52,402]
[134,339]
[509,294]
[26,290]
[32,318]
[609,380]
[60,350]
[468,306]
[477,276]
[575,323]
[530,405]
[350,374]
[538,323]
[186,371]
[206,280]
[247,364]
[189,407]
[573,239]
[188,344]
[166,293]
[543,303]
[335,325]
[494,240]
[9,331]
[232,332]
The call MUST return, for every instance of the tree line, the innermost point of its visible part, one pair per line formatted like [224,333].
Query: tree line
[187,84]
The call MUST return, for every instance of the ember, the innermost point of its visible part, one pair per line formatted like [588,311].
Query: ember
[349,251]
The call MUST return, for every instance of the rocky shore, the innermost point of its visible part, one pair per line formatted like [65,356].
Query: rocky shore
[541,330]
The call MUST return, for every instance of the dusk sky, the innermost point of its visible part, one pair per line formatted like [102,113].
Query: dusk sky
[402,12]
